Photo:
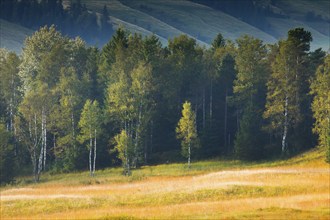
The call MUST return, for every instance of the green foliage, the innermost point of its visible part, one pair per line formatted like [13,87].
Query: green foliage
[124,146]
[90,121]
[186,130]
[9,87]
[249,142]
[8,163]
[218,42]
[53,97]
[251,69]
[287,87]
[320,87]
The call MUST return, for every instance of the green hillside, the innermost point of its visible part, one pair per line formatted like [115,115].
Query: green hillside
[12,36]
[282,25]
[167,19]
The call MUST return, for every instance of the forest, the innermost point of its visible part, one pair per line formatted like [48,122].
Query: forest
[66,106]
[72,20]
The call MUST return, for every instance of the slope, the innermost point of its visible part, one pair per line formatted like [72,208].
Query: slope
[131,19]
[200,21]
[172,18]
[12,36]
[296,188]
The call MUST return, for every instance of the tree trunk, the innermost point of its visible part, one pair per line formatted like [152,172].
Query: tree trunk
[73,131]
[204,108]
[145,150]
[36,178]
[151,136]
[189,152]
[285,129]
[45,141]
[211,102]
[94,153]
[90,151]
[225,127]
[40,162]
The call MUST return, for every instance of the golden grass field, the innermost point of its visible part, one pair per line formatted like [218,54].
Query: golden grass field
[298,188]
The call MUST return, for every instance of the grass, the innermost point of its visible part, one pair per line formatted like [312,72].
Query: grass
[190,17]
[168,19]
[12,36]
[296,188]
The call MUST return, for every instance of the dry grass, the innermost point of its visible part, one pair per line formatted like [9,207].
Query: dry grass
[297,188]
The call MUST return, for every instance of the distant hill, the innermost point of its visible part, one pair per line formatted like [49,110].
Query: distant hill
[268,20]
[12,35]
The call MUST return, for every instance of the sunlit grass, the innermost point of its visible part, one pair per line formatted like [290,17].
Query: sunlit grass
[214,189]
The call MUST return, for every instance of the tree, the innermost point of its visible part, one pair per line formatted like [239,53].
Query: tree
[251,70]
[249,91]
[142,89]
[9,84]
[186,131]
[43,56]
[124,146]
[7,156]
[90,124]
[248,142]
[286,85]
[320,88]
[218,42]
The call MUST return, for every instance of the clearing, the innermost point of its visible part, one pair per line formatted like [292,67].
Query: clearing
[296,188]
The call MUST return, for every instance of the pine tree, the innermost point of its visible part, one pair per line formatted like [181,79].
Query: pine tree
[249,92]
[248,142]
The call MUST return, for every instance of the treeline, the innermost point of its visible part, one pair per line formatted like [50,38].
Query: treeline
[66,106]
[73,20]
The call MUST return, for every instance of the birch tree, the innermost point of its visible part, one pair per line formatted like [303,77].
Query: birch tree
[10,84]
[90,124]
[284,97]
[125,148]
[32,127]
[142,88]
[320,87]
[186,131]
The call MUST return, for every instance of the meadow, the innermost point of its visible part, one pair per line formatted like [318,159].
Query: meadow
[297,188]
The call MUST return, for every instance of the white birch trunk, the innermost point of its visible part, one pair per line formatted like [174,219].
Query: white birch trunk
[73,131]
[45,141]
[225,127]
[285,129]
[189,152]
[94,153]
[211,102]
[204,108]
[90,151]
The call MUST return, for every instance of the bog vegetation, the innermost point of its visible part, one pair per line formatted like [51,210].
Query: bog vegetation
[65,106]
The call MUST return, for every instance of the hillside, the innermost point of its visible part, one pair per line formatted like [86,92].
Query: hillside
[12,36]
[167,19]
[215,189]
